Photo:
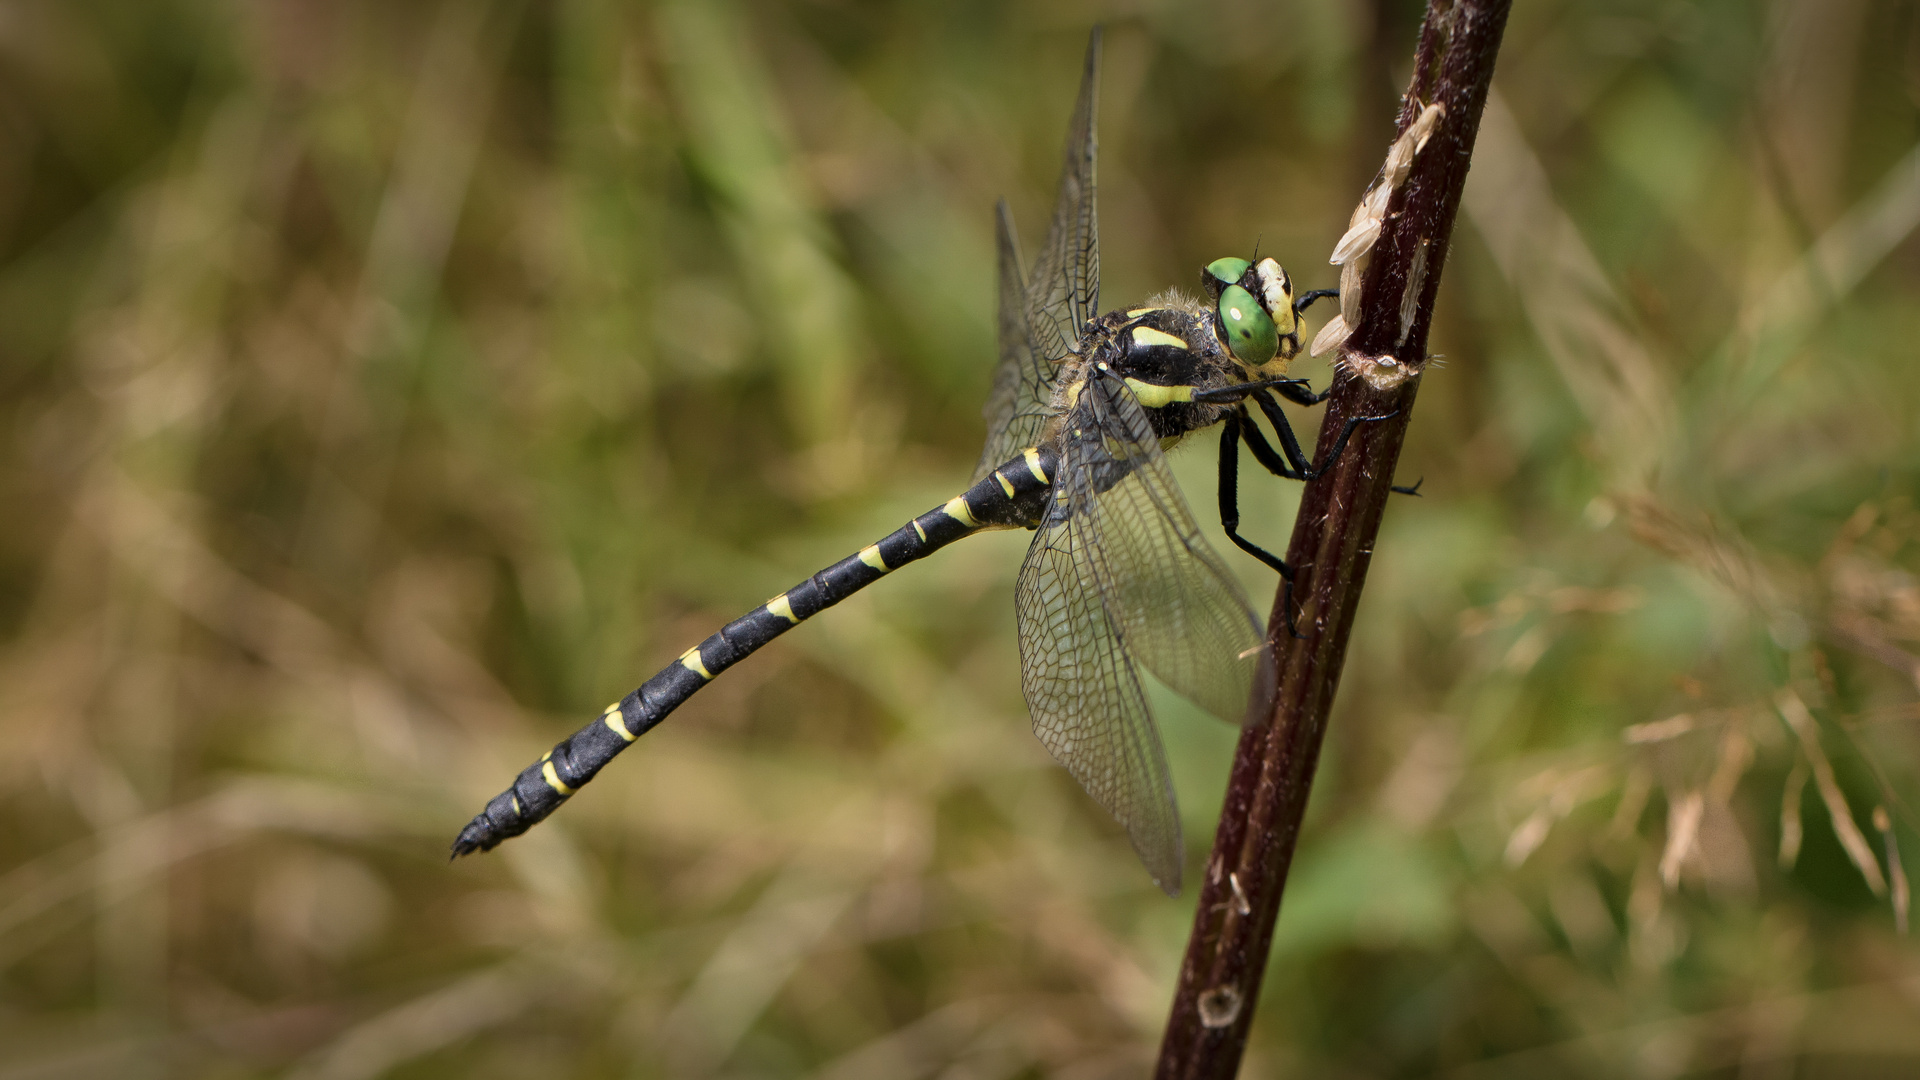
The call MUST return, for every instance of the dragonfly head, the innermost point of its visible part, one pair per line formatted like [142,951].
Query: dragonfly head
[1253,312]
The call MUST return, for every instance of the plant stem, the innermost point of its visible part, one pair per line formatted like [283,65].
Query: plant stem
[1333,538]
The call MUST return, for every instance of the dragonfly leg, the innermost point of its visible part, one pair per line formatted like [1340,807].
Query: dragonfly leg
[1341,444]
[1346,432]
[1305,300]
[1265,454]
[1302,468]
[1230,435]
[1300,392]
[1295,389]
[1295,456]
[1239,426]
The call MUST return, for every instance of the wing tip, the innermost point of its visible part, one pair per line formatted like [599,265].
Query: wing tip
[1165,866]
[1090,79]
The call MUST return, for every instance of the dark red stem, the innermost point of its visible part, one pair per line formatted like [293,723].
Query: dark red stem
[1332,544]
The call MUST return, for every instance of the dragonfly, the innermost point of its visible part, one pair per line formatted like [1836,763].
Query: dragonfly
[1118,577]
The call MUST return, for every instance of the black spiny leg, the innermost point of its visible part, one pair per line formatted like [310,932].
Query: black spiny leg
[1265,454]
[1302,467]
[1230,436]
[1298,393]
[1305,300]
[1295,456]
[1239,425]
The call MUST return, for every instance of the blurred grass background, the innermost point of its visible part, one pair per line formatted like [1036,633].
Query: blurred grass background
[387,387]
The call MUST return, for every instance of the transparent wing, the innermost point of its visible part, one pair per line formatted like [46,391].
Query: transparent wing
[1041,317]
[1085,697]
[1023,382]
[1120,574]
[1181,612]
[1064,291]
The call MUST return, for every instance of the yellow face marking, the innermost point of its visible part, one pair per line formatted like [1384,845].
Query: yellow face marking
[1147,335]
[616,722]
[1154,396]
[552,777]
[871,556]
[1033,465]
[1275,368]
[958,510]
[917,529]
[1004,484]
[779,606]
[692,662]
[1276,289]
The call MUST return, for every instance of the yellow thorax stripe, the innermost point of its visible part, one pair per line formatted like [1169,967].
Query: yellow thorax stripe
[1154,396]
[1147,335]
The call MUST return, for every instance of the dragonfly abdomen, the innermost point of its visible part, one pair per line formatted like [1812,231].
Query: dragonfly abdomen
[1012,496]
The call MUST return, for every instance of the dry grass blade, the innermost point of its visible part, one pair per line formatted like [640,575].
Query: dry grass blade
[1779,318]
[1794,711]
[1683,831]
[750,966]
[1570,302]
[1792,829]
[427,1023]
[1902,894]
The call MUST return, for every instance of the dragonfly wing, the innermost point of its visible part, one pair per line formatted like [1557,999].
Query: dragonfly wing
[1041,316]
[1022,396]
[1120,575]
[1179,610]
[1085,696]
[1064,291]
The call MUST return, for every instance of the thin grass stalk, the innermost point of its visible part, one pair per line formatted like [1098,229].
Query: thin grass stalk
[1377,375]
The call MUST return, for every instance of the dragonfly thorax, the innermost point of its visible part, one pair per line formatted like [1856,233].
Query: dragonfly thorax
[1165,352]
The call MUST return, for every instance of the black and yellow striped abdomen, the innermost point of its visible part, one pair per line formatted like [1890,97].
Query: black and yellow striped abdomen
[1012,496]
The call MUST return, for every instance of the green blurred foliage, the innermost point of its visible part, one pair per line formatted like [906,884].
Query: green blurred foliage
[388,386]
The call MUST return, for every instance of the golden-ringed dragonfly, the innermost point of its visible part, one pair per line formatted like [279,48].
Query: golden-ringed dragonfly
[1118,576]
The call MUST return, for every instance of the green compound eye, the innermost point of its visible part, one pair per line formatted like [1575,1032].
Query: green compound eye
[1227,271]
[1250,330]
